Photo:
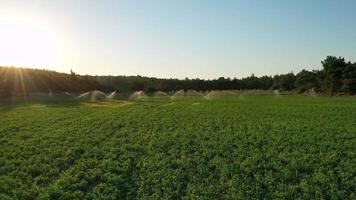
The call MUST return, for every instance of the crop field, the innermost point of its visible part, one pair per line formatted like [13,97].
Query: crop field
[253,147]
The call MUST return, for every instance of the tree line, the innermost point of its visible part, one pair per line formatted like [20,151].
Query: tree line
[23,81]
[336,76]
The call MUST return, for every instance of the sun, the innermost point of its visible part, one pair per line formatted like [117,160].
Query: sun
[26,44]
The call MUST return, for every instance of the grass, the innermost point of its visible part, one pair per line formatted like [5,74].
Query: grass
[261,147]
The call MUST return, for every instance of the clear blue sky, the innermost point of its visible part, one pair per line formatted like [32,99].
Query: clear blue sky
[187,38]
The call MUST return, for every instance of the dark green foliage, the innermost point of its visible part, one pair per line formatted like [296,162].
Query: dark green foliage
[333,78]
[286,147]
[349,79]
[284,81]
[253,82]
[135,83]
[337,76]
[333,68]
[349,86]
[19,81]
[306,80]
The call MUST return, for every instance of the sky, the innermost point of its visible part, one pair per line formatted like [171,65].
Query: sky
[176,39]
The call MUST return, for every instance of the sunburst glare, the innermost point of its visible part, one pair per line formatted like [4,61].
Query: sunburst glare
[26,44]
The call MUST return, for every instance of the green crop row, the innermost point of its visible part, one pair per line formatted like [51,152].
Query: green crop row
[286,147]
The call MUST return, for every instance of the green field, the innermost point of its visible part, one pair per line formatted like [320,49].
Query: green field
[265,147]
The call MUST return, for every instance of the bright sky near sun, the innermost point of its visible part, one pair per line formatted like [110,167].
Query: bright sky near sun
[181,38]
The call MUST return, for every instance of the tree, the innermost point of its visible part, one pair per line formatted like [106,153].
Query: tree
[137,86]
[72,74]
[333,69]
[306,80]
[349,79]
[284,81]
